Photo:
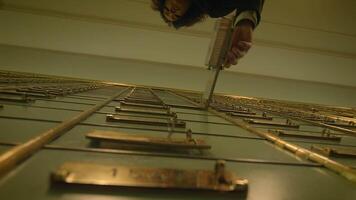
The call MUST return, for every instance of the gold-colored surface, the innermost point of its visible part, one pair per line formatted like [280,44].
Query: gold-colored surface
[169,122]
[335,151]
[218,179]
[269,123]
[149,112]
[15,155]
[163,107]
[322,136]
[155,142]
[343,170]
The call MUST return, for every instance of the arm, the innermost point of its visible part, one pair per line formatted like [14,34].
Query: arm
[248,18]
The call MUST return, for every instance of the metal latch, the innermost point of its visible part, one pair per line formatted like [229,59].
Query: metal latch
[335,151]
[170,121]
[149,112]
[288,123]
[164,107]
[322,136]
[218,179]
[117,139]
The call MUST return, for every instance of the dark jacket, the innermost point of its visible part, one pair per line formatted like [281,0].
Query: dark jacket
[220,8]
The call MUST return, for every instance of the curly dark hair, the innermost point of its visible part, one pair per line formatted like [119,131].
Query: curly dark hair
[193,15]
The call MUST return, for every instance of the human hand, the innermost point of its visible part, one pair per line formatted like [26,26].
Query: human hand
[241,42]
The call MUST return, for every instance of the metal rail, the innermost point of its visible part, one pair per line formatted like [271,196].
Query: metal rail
[171,155]
[343,170]
[14,156]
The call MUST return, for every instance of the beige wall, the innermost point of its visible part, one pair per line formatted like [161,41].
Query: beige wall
[165,75]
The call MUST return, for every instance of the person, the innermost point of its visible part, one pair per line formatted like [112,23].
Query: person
[185,13]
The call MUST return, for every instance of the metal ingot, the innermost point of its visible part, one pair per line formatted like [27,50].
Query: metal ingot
[169,122]
[218,179]
[117,140]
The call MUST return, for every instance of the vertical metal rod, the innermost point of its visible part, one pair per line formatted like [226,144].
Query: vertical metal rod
[19,153]
[301,152]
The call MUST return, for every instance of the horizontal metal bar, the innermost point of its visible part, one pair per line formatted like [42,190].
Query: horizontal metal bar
[268,123]
[128,127]
[305,136]
[167,155]
[10,158]
[169,122]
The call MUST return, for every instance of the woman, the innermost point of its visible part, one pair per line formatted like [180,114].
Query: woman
[180,13]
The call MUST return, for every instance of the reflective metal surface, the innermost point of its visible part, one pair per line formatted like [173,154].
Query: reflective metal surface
[218,179]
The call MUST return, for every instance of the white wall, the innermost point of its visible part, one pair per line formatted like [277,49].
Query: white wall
[165,75]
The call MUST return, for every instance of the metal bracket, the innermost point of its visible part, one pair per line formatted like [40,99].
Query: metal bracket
[116,138]
[218,179]
[163,107]
[156,122]
[350,124]
[306,136]
[148,112]
[288,123]
[335,151]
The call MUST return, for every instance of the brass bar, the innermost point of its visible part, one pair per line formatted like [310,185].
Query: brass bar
[164,122]
[309,136]
[268,123]
[316,123]
[12,157]
[169,155]
[350,125]
[164,107]
[147,142]
[151,112]
[335,151]
[236,111]
[344,170]
[219,179]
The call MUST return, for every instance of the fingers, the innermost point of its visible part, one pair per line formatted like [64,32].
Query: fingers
[237,52]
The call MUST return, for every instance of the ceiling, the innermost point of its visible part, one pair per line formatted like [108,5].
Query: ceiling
[303,40]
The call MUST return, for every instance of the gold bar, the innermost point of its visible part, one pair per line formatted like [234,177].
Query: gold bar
[267,123]
[335,151]
[306,136]
[17,154]
[118,138]
[219,179]
[163,107]
[169,122]
[149,112]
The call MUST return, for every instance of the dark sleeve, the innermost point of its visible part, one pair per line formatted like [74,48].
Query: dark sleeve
[220,8]
[255,5]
